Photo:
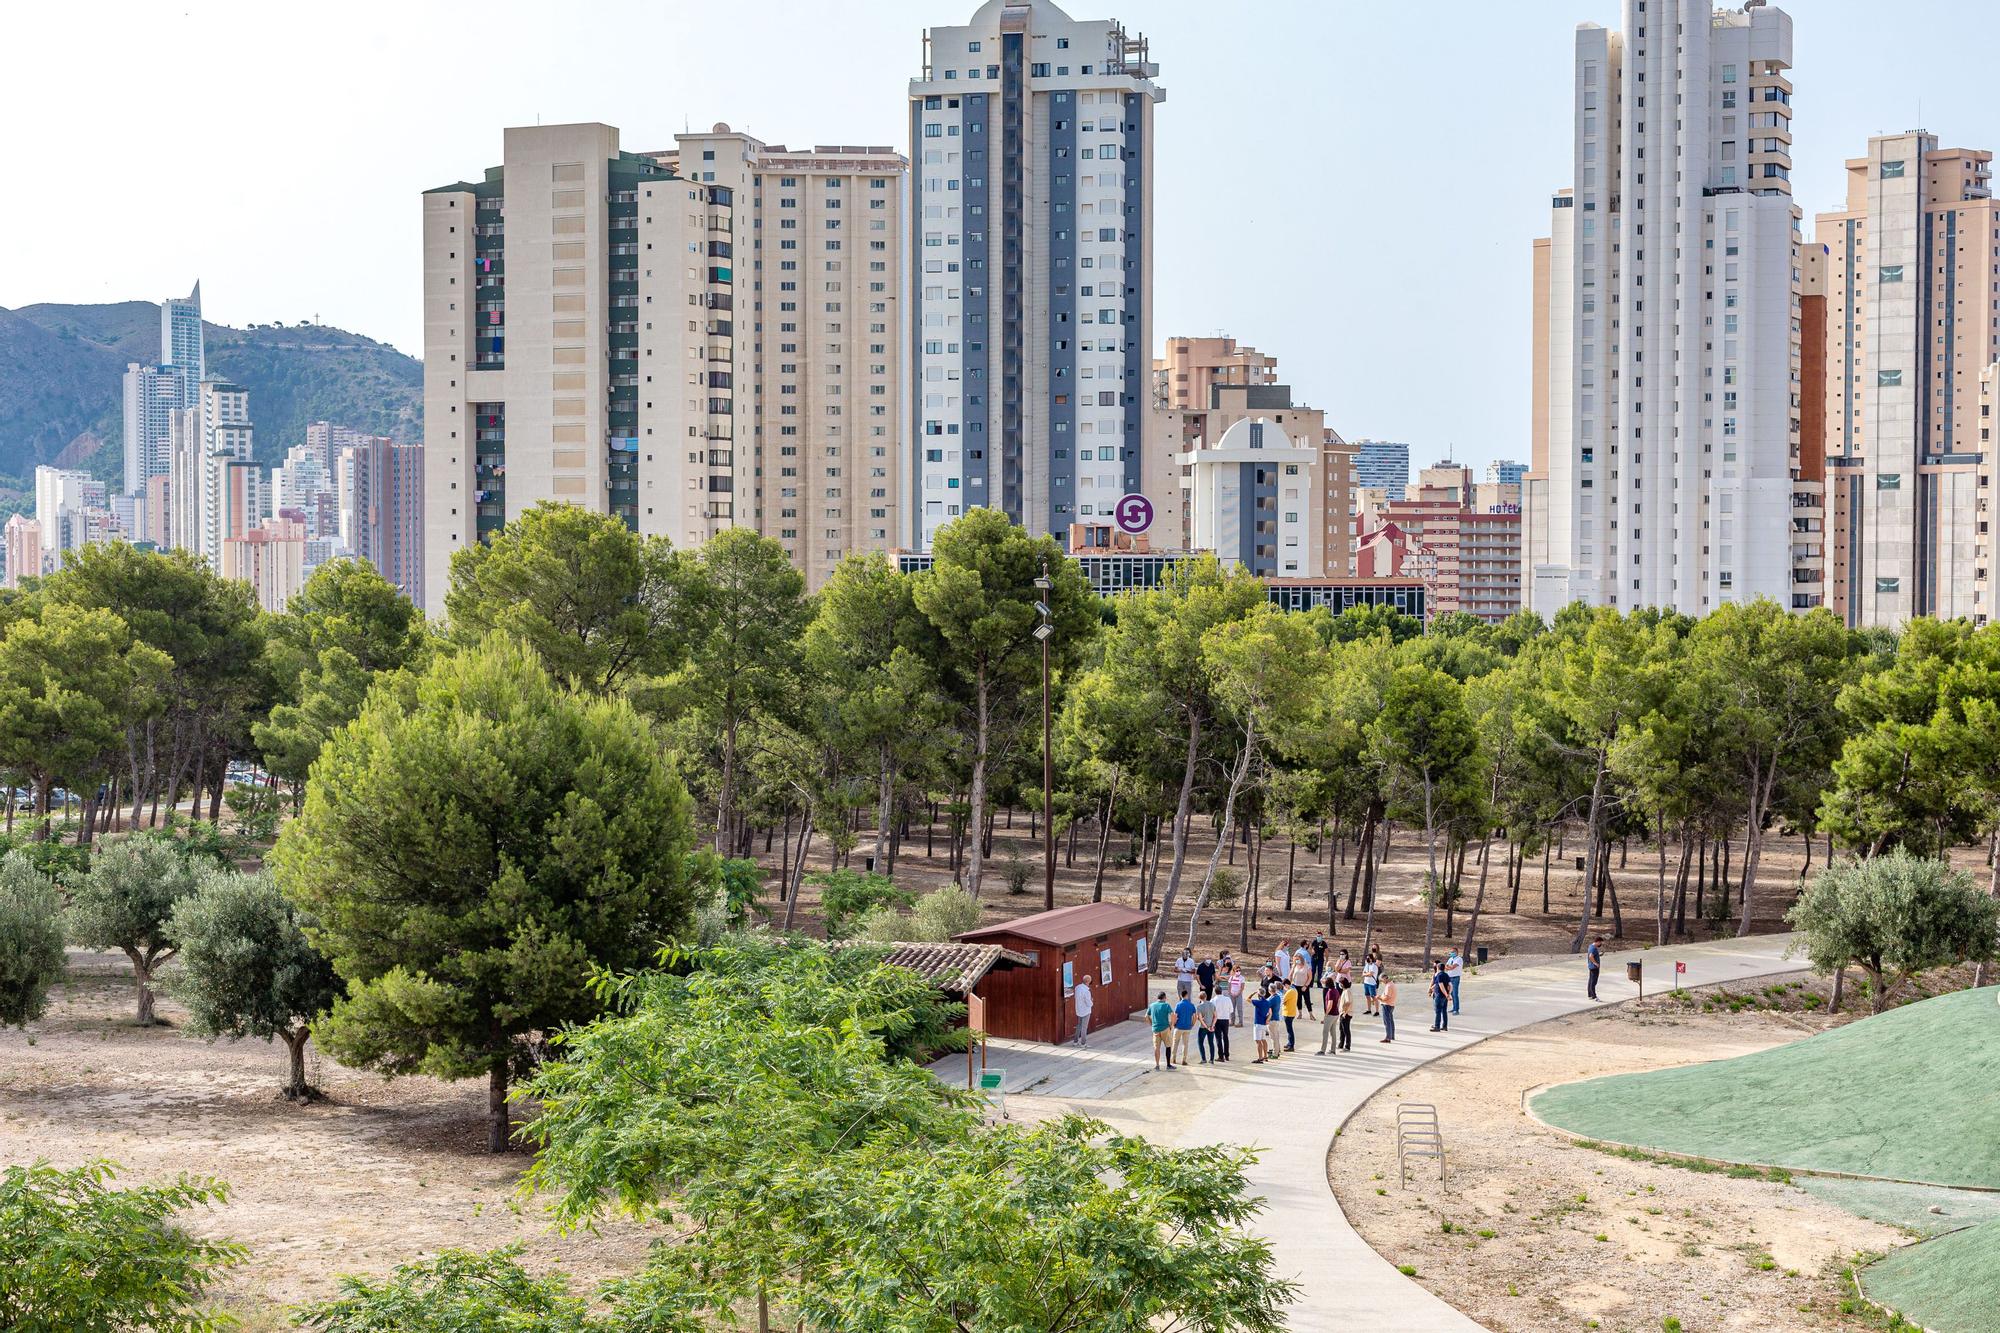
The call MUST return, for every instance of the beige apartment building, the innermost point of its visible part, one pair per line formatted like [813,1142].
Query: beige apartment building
[1464,538]
[1912,321]
[1202,389]
[595,330]
[820,234]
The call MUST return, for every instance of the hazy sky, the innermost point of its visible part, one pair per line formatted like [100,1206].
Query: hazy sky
[1349,186]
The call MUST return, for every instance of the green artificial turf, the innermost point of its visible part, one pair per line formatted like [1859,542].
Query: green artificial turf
[1912,1094]
[1906,1206]
[1947,1285]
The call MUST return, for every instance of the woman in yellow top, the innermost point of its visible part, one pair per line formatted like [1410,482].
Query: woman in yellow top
[1291,1011]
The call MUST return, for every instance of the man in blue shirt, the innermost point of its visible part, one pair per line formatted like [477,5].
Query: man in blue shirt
[1594,955]
[1183,1028]
[1162,1014]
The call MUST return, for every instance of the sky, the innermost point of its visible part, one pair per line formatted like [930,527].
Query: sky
[1351,187]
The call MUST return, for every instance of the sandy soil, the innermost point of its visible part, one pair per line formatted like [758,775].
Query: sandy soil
[1546,1234]
[374,1176]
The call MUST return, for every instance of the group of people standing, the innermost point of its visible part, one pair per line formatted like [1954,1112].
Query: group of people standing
[1215,995]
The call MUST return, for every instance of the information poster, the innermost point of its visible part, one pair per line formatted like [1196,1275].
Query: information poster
[1104,966]
[1142,955]
[1069,978]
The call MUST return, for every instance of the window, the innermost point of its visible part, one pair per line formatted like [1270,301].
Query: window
[1892,171]
[1891,273]
[1888,379]
[1889,481]
[1888,584]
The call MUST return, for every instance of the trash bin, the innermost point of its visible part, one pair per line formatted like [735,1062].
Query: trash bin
[1482,953]
[868,862]
[1579,863]
[1632,970]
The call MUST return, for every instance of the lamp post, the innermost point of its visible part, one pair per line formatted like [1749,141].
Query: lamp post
[1044,586]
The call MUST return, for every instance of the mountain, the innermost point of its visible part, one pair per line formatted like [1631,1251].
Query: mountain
[61,395]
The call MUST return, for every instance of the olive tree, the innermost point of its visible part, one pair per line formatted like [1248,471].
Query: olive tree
[1893,916]
[125,899]
[246,968]
[31,940]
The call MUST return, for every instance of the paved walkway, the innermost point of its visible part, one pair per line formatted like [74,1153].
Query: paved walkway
[1290,1111]
[1116,1055]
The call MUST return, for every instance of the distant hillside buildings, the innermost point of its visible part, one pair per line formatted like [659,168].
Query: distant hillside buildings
[192,482]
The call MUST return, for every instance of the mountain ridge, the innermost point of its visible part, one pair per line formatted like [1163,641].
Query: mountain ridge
[61,383]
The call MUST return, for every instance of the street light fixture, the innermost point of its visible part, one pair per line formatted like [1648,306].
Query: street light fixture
[1043,632]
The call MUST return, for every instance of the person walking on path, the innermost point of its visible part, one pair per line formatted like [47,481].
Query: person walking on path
[1184,973]
[1302,982]
[1226,1013]
[1594,956]
[1204,1028]
[1385,999]
[1329,1029]
[1288,1005]
[1205,973]
[1183,1028]
[1371,983]
[1319,955]
[1440,999]
[1346,1015]
[1083,1007]
[1454,969]
[1162,1015]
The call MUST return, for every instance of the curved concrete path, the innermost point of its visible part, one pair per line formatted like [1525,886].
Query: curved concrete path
[1290,1111]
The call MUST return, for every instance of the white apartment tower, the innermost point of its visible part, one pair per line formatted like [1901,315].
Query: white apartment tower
[1031,146]
[1666,470]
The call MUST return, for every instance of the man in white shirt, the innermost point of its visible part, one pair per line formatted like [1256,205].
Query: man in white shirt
[1084,1004]
[1454,971]
[1225,1011]
[1184,974]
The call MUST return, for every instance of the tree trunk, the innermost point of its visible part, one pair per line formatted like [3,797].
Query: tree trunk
[885,796]
[1590,852]
[499,1122]
[295,1050]
[142,978]
[1104,839]
[1254,839]
[1182,813]
[1839,986]
[1208,876]
[799,868]
[1332,887]
[1368,892]
[1434,885]
[1753,849]
[1479,893]
[976,858]
[1548,845]
[1291,868]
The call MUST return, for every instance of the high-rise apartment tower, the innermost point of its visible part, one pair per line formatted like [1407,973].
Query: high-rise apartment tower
[1666,463]
[1031,146]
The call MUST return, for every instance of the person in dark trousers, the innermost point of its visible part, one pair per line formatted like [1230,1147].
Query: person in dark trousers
[1225,1014]
[1385,1000]
[1319,955]
[1205,972]
[1346,1014]
[1440,999]
[1594,956]
[1204,1032]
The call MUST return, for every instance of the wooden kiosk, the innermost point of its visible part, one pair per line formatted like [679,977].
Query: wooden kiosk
[1104,941]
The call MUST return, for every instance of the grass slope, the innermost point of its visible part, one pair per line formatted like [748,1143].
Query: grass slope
[1911,1094]
[1947,1285]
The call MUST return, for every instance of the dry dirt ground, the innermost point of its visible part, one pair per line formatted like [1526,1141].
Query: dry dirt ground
[1399,915]
[374,1176]
[1537,1232]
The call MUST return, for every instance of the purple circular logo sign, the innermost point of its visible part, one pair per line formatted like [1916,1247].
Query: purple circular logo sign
[1134,513]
